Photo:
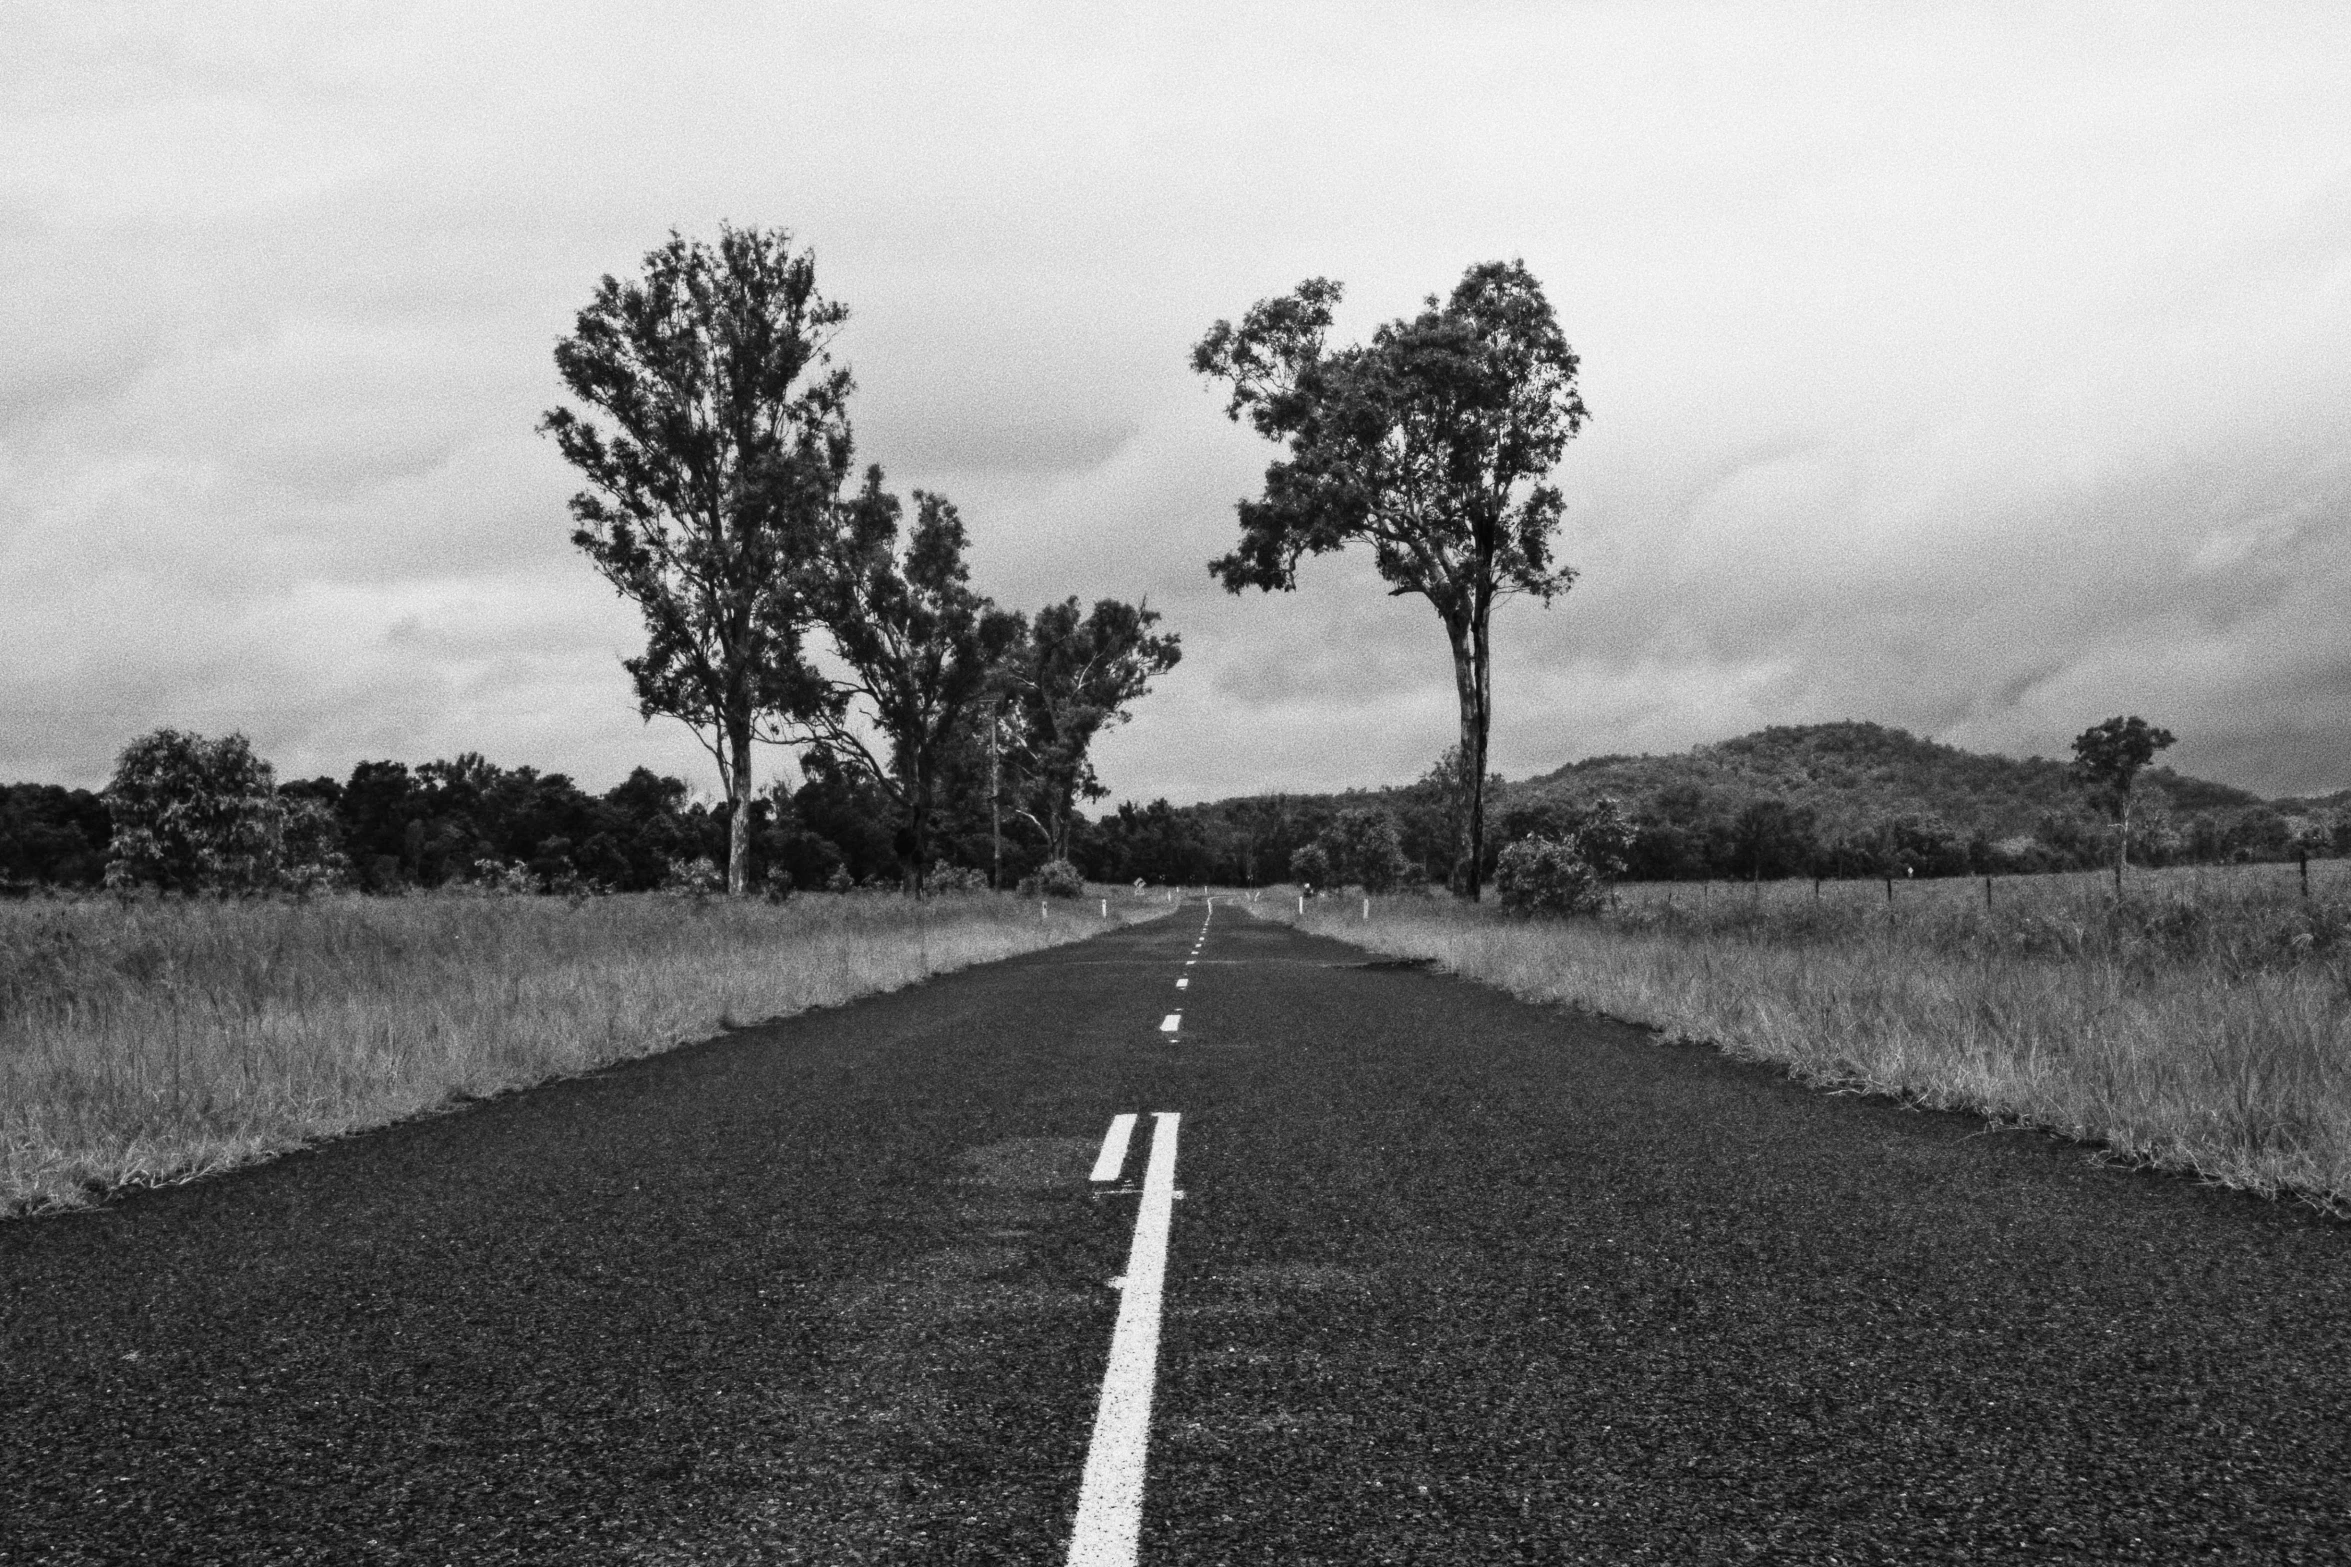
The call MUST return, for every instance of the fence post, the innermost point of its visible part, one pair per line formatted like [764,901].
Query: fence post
[1302,903]
[2306,873]
[1367,911]
[1106,908]
[1987,894]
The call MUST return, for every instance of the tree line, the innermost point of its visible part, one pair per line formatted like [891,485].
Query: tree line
[189,814]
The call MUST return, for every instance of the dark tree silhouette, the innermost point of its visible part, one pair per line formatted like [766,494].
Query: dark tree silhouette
[724,442]
[1432,443]
[2107,758]
[1072,676]
[918,645]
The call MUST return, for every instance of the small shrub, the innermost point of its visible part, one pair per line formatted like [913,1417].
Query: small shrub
[693,879]
[504,878]
[1542,876]
[1054,879]
[1310,866]
[945,878]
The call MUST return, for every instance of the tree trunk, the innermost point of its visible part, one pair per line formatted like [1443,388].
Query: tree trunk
[2122,843]
[738,744]
[918,829]
[1471,684]
[995,802]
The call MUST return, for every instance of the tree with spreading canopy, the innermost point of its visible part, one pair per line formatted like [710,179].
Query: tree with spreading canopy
[1071,676]
[193,815]
[918,646]
[721,449]
[2107,758]
[1432,443]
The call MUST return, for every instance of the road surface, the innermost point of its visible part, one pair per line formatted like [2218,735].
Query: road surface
[1438,1278]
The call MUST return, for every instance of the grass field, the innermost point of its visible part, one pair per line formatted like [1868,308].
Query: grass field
[2202,1023]
[152,1042]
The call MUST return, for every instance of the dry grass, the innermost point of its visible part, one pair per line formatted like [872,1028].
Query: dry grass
[158,1041]
[2201,1024]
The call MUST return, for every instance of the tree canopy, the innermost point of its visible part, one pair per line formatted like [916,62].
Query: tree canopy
[2107,758]
[919,647]
[723,441]
[1432,443]
[1074,675]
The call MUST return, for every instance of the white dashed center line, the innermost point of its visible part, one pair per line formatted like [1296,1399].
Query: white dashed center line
[1167,1024]
[1113,1157]
[1110,1497]
[1182,983]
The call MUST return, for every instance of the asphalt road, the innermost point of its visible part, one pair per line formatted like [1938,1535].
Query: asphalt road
[1452,1280]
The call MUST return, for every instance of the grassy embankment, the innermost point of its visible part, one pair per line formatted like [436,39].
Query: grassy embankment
[153,1042]
[2201,1024]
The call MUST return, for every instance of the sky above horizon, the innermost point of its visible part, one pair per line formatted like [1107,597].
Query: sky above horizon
[1977,369]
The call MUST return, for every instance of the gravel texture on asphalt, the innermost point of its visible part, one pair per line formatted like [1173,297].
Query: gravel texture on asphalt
[1454,1280]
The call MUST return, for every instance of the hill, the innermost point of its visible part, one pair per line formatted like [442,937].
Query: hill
[1851,774]
[1835,799]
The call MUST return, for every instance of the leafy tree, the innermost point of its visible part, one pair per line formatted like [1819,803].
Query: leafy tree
[53,836]
[2107,758]
[1432,444]
[1156,843]
[1069,678]
[1568,873]
[193,815]
[918,644]
[1774,838]
[849,811]
[1362,846]
[724,441]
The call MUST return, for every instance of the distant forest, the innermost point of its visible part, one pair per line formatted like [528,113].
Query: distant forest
[1842,799]
[1846,799]
[389,827]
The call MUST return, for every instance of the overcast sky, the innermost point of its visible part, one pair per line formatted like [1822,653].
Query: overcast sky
[1979,369]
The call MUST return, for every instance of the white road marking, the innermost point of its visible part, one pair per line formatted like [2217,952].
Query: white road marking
[1110,1497]
[1114,1149]
[1167,1024]
[1183,983]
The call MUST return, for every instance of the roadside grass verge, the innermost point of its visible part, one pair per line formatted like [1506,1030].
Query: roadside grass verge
[2200,1024]
[154,1042]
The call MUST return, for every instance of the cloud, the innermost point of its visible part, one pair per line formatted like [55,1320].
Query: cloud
[1973,368]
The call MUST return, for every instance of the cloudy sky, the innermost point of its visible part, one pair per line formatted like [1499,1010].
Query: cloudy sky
[1979,369]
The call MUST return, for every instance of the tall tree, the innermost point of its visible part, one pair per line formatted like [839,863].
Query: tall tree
[2107,758]
[1071,677]
[1432,443]
[918,646]
[724,442]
